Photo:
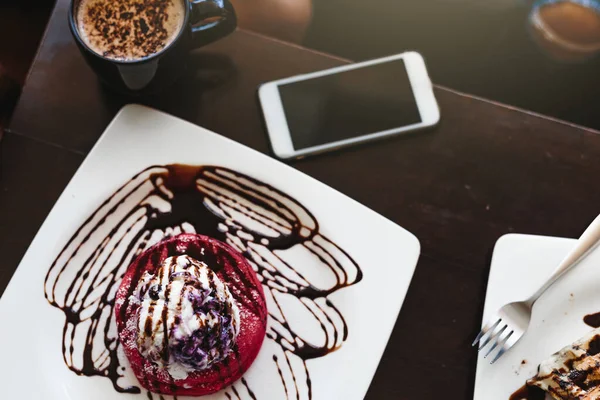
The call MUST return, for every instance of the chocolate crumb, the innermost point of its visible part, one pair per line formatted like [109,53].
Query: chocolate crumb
[144,26]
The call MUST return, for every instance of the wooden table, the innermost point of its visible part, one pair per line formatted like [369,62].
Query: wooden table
[486,171]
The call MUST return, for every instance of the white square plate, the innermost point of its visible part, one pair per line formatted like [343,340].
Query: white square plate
[520,264]
[365,309]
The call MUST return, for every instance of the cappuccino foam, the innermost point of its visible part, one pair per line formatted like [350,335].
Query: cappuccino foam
[129,30]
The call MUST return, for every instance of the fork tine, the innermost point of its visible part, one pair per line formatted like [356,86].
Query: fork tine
[494,339]
[503,347]
[497,337]
[493,334]
[486,328]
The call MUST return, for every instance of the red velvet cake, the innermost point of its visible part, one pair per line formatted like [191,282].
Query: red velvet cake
[207,299]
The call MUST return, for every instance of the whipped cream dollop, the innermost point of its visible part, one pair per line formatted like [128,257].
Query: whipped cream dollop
[187,319]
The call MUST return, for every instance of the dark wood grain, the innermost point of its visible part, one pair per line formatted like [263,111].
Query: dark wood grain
[487,170]
[32,177]
[221,82]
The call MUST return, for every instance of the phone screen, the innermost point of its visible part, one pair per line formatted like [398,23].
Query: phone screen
[349,104]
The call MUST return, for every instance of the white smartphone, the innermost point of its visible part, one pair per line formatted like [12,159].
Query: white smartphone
[326,110]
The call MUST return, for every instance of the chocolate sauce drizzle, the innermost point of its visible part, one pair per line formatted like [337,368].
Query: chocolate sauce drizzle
[528,393]
[592,320]
[565,378]
[533,393]
[154,396]
[269,227]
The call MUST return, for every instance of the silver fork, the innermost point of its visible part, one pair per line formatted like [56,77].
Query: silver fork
[510,322]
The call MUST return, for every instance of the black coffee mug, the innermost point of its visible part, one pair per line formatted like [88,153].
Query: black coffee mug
[205,21]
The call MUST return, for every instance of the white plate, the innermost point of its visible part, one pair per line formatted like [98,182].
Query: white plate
[520,264]
[31,331]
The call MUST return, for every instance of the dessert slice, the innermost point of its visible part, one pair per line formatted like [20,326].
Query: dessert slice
[191,316]
[574,372]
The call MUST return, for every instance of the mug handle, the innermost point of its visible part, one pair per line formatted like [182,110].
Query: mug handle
[204,32]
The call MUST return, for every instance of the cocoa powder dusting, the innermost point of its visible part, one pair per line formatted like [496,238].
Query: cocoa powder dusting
[129,29]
